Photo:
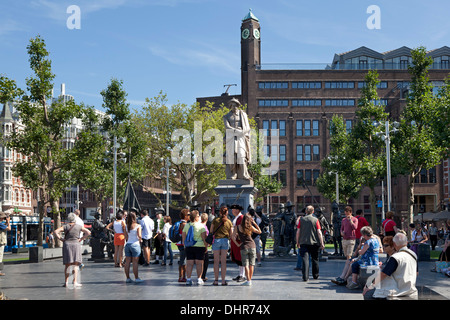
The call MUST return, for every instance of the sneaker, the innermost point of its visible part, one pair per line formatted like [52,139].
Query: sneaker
[239,279]
[129,280]
[200,282]
[339,281]
[189,282]
[247,283]
[352,285]
[138,280]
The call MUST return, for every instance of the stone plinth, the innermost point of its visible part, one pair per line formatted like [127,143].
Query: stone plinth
[237,191]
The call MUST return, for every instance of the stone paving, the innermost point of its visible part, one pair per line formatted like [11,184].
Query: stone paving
[276,279]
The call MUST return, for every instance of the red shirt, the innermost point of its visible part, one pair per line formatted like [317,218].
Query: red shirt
[317,224]
[388,225]
[362,222]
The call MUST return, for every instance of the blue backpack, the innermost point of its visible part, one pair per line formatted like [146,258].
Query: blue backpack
[189,241]
[174,232]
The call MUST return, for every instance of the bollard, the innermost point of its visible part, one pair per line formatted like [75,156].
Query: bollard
[36,254]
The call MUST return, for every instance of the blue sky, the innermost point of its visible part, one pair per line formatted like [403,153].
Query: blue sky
[191,48]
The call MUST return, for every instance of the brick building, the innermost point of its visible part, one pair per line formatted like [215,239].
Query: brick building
[301,100]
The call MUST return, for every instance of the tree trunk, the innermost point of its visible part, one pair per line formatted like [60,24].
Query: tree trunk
[56,219]
[41,202]
[411,202]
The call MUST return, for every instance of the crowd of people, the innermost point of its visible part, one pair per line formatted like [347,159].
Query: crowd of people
[136,236]
[237,236]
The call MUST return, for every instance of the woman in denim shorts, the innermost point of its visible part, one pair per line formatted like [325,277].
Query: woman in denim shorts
[222,227]
[132,247]
[244,232]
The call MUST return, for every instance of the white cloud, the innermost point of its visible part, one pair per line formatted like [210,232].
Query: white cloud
[203,55]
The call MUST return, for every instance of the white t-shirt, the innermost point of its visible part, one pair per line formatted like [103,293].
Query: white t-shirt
[147,225]
[165,230]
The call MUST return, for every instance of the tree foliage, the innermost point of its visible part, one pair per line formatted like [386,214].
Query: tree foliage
[423,138]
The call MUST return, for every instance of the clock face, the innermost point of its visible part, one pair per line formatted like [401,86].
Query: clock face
[245,33]
[256,33]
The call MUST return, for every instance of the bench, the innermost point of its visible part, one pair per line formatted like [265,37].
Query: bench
[39,254]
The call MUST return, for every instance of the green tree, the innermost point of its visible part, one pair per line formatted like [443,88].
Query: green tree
[368,149]
[49,164]
[423,138]
[339,161]
[96,171]
[167,127]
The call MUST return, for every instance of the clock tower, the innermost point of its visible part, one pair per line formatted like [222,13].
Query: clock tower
[250,59]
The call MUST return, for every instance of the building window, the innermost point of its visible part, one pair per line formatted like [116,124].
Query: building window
[274,128]
[274,152]
[282,152]
[307,152]
[315,127]
[308,177]
[380,85]
[349,125]
[299,178]
[307,128]
[283,179]
[282,128]
[316,173]
[306,102]
[299,152]
[339,102]
[299,128]
[273,103]
[266,127]
[316,153]
[273,85]
[307,85]
[339,85]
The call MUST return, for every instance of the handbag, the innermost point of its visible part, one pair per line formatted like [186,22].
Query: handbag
[210,238]
[440,265]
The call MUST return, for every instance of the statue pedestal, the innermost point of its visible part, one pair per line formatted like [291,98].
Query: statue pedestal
[237,191]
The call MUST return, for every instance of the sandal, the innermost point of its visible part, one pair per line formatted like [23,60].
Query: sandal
[215,283]
[225,283]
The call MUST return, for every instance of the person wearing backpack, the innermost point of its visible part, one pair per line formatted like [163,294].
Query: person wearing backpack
[177,232]
[194,240]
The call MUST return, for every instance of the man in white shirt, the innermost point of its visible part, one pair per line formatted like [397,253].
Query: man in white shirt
[147,225]
[399,274]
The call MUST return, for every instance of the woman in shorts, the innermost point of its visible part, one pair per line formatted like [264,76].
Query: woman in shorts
[132,247]
[119,237]
[244,231]
[222,227]
[195,254]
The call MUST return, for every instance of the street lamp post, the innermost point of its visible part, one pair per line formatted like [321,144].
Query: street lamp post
[167,187]
[115,175]
[334,162]
[116,146]
[386,137]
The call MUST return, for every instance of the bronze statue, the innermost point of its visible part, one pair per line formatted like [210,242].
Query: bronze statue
[336,222]
[238,154]
[99,238]
[289,228]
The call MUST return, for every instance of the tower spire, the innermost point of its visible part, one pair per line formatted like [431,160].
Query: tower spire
[250,15]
